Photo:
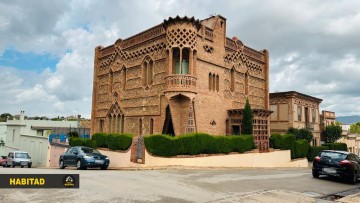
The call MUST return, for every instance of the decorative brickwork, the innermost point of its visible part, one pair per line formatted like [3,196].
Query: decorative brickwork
[180,76]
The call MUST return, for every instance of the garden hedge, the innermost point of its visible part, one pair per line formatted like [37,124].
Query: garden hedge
[283,142]
[74,141]
[119,141]
[314,151]
[101,139]
[197,143]
[300,149]
[336,146]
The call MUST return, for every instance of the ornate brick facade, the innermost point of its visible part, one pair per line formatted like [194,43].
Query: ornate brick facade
[183,75]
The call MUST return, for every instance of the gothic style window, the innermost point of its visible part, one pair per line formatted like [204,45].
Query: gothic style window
[145,72]
[246,83]
[123,78]
[150,72]
[185,61]
[214,82]
[299,112]
[232,80]
[111,80]
[176,61]
[210,81]
[114,119]
[101,125]
[217,82]
[151,126]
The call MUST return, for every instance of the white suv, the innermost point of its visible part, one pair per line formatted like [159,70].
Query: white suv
[19,158]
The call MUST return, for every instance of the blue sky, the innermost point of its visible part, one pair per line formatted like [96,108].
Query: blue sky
[46,52]
[28,60]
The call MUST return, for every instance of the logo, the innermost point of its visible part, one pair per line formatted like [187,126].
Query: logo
[69,181]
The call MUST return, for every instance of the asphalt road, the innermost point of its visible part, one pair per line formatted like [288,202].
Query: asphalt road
[181,185]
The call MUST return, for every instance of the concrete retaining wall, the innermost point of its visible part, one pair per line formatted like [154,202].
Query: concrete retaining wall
[270,159]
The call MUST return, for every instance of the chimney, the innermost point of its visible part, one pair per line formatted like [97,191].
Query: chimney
[22,115]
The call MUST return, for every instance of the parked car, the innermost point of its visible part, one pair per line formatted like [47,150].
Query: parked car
[19,158]
[83,157]
[344,165]
[3,160]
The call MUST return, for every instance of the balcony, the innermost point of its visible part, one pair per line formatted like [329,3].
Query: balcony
[180,83]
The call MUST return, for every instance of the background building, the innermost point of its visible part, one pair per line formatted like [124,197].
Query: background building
[33,136]
[296,110]
[181,76]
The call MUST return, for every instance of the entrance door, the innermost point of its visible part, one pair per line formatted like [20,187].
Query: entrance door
[168,128]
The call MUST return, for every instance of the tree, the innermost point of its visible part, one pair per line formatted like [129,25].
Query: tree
[73,134]
[4,116]
[247,119]
[2,143]
[355,128]
[332,133]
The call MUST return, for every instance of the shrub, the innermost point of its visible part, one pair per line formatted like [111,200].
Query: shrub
[74,141]
[161,145]
[119,141]
[302,133]
[300,149]
[101,139]
[314,151]
[197,143]
[283,142]
[336,146]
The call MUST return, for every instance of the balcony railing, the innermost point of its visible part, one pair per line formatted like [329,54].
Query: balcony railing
[180,83]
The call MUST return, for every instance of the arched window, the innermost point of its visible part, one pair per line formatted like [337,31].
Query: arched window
[176,61]
[181,61]
[246,83]
[151,126]
[111,80]
[217,82]
[145,72]
[185,61]
[123,78]
[210,81]
[232,80]
[214,82]
[150,72]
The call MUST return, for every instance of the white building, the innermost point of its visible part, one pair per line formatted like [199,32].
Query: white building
[30,136]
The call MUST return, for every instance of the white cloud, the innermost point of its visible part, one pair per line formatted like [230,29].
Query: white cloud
[313,45]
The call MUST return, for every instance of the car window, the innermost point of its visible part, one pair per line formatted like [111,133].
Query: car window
[333,155]
[89,150]
[22,155]
[71,151]
[10,155]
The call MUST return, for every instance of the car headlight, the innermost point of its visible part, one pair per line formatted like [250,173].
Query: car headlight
[106,157]
[87,157]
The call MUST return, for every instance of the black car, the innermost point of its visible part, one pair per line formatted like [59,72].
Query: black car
[83,157]
[344,165]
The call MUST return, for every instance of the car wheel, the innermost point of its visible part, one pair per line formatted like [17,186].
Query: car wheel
[22,166]
[13,165]
[104,167]
[78,165]
[61,165]
[353,178]
[29,166]
[315,174]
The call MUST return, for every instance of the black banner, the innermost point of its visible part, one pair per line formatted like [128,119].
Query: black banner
[39,180]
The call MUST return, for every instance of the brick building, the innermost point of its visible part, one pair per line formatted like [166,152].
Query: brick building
[296,110]
[183,75]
